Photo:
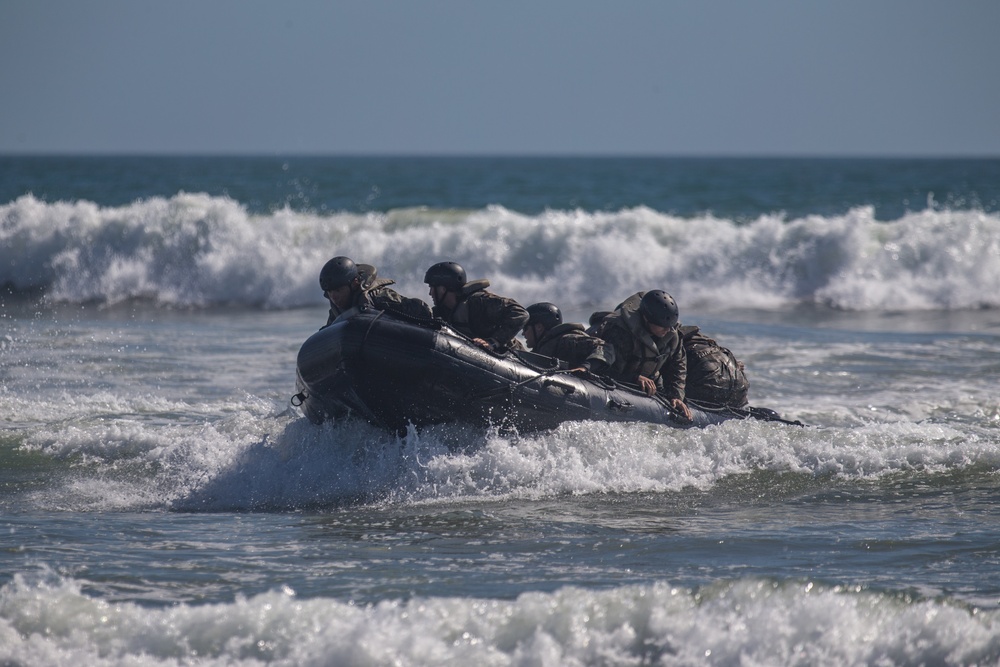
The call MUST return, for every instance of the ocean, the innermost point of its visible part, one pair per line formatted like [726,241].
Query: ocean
[163,503]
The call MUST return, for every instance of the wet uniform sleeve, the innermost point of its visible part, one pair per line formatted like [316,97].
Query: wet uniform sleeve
[580,349]
[596,361]
[617,350]
[673,374]
[393,302]
[503,315]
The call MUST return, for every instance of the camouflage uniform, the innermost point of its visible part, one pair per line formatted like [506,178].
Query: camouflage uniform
[481,314]
[632,351]
[375,293]
[570,343]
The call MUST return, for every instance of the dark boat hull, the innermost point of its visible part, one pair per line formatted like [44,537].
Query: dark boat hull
[394,373]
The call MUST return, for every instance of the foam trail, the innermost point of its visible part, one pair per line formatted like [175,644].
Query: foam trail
[196,250]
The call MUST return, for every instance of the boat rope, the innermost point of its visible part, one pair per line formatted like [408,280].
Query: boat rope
[761,414]
[493,393]
[537,367]
[371,324]
[425,322]
[674,415]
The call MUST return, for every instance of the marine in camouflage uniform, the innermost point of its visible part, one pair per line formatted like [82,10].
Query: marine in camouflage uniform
[633,352]
[715,377]
[490,320]
[366,290]
[548,335]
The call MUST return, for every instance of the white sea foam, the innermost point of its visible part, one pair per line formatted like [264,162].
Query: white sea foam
[47,620]
[255,459]
[196,250]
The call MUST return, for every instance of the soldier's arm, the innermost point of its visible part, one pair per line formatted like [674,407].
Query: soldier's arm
[617,348]
[508,317]
[674,374]
[393,302]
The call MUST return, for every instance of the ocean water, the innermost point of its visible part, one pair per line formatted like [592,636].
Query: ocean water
[162,503]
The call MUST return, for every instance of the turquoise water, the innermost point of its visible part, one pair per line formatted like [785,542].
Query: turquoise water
[738,189]
[161,502]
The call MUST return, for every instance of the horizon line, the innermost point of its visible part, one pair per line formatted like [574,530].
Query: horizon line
[500,155]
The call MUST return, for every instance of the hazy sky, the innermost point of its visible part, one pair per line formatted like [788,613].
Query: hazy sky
[662,77]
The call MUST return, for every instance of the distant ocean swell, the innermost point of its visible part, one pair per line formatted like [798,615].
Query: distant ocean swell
[45,619]
[194,250]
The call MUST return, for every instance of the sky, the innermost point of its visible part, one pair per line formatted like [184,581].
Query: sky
[517,77]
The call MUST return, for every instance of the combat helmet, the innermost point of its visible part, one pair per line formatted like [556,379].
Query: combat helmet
[447,274]
[544,313]
[338,272]
[659,308]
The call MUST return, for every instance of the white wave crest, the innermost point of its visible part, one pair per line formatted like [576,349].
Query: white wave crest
[197,250]
[47,620]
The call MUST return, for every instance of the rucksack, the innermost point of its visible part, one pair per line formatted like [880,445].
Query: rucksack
[714,375]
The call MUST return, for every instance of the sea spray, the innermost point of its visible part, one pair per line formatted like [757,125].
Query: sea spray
[253,461]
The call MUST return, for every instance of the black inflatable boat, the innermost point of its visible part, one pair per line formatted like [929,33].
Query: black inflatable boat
[394,372]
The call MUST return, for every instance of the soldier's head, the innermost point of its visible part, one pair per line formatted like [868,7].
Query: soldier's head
[659,311]
[339,280]
[542,316]
[446,280]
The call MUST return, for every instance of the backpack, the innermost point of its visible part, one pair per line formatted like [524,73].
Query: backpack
[714,375]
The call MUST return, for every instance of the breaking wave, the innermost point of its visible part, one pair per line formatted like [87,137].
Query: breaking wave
[46,619]
[195,250]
